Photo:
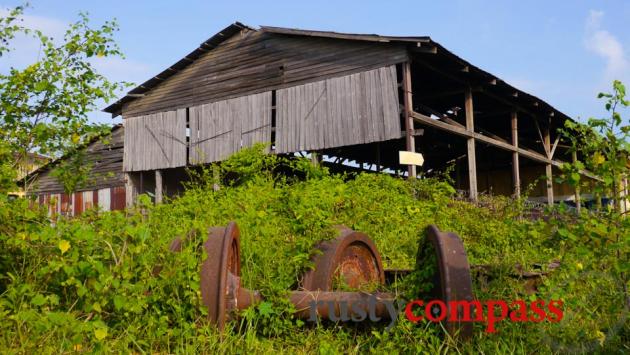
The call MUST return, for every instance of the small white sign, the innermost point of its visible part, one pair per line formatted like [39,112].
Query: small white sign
[410,158]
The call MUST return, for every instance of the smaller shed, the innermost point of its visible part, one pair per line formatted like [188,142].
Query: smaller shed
[104,187]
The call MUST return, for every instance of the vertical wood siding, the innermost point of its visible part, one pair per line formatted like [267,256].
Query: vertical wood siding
[352,109]
[104,199]
[95,198]
[118,198]
[222,128]
[155,141]
[66,204]
[78,203]
[87,200]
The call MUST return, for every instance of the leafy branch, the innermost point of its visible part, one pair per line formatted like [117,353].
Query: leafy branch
[44,106]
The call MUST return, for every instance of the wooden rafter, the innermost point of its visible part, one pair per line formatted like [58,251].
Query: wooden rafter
[529,154]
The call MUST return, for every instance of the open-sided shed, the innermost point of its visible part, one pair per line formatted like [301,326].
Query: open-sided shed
[353,99]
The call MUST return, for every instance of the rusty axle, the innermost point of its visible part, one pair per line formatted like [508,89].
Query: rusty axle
[325,304]
[351,258]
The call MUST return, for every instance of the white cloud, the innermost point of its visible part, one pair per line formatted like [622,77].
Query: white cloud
[607,46]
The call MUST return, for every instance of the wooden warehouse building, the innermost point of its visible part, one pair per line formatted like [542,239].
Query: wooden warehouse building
[104,184]
[354,99]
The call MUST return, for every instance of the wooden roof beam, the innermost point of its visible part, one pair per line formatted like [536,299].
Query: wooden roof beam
[463,132]
[465,82]
[424,48]
[524,152]
[448,93]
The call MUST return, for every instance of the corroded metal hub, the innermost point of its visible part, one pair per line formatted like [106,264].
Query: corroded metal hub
[351,259]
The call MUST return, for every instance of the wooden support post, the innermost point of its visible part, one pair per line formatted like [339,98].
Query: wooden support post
[472,162]
[378,157]
[548,167]
[578,203]
[216,176]
[158,186]
[516,176]
[315,158]
[129,190]
[408,100]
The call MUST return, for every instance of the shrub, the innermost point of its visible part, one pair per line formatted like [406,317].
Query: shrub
[91,283]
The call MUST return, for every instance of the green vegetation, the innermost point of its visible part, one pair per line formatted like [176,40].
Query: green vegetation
[89,283]
[603,145]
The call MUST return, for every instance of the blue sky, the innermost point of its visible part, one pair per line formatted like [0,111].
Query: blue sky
[564,52]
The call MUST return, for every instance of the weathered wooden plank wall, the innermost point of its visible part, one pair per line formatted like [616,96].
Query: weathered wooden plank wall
[255,113]
[304,120]
[221,128]
[105,158]
[353,109]
[255,62]
[155,141]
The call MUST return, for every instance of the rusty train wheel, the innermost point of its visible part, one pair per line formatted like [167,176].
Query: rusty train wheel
[351,258]
[220,273]
[452,280]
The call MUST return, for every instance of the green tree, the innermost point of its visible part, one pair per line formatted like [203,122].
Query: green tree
[602,146]
[44,106]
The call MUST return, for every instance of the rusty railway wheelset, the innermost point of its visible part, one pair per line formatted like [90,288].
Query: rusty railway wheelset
[351,258]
